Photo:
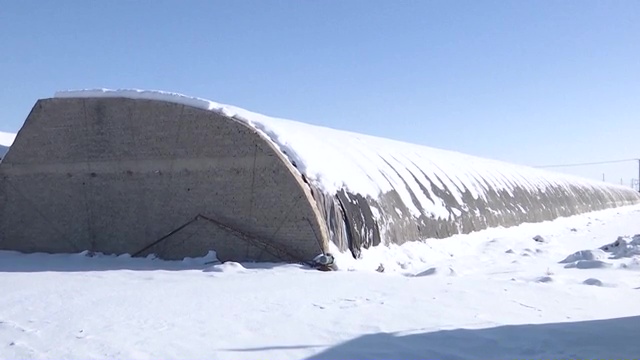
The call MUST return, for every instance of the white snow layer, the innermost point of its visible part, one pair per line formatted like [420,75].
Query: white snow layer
[493,294]
[6,139]
[335,159]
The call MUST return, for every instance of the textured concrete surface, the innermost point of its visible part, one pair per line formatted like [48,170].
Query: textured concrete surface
[114,175]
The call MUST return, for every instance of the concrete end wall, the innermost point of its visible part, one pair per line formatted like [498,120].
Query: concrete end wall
[114,175]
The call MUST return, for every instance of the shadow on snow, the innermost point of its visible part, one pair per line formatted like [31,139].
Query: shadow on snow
[11,261]
[611,339]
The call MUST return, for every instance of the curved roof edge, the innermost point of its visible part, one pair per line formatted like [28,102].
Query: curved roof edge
[103,182]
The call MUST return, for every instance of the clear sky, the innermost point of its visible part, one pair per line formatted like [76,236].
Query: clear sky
[530,82]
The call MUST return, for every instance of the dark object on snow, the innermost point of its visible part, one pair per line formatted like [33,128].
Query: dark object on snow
[619,242]
[324,262]
[331,267]
[539,239]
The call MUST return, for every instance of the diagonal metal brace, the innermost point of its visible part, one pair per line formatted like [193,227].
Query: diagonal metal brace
[275,251]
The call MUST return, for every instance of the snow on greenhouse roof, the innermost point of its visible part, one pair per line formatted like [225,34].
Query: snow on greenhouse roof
[335,159]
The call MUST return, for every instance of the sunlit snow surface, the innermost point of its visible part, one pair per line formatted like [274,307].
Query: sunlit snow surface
[6,139]
[493,294]
[335,159]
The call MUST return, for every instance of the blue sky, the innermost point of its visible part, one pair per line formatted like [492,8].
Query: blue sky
[530,82]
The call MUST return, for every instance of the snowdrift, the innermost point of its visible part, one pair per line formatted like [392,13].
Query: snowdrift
[273,188]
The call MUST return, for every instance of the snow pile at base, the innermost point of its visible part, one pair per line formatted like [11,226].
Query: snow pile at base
[211,257]
[227,267]
[367,165]
[6,139]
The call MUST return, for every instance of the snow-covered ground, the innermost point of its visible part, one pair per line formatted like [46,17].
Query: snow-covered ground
[495,294]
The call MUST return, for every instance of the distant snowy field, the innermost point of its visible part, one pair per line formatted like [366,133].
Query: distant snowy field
[6,139]
[494,294]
